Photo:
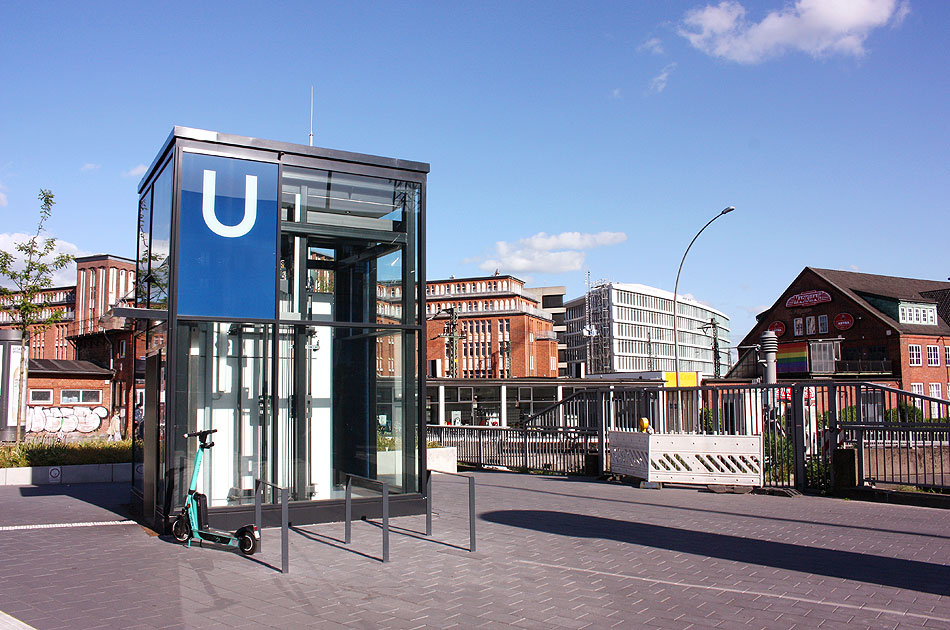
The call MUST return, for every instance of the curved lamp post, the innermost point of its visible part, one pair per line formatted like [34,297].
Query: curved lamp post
[676,343]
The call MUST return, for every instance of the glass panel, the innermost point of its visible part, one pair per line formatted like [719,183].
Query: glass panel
[340,250]
[69,396]
[160,239]
[91,396]
[222,383]
[142,259]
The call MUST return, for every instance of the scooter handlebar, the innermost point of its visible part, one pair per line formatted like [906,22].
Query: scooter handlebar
[201,434]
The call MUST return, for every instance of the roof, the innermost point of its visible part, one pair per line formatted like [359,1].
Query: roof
[63,367]
[854,284]
[681,298]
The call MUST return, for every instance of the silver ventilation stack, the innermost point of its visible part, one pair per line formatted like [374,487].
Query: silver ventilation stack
[769,345]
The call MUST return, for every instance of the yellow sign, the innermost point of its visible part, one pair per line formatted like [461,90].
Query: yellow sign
[687,379]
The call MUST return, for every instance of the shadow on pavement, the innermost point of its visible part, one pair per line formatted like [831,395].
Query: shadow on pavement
[113,497]
[895,572]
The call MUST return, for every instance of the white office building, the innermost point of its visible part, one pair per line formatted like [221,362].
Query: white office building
[621,327]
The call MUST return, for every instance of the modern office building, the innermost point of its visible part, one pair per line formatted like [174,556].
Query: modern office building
[488,327]
[280,290]
[848,325]
[624,328]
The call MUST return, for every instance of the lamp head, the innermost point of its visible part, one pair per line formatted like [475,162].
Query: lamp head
[728,210]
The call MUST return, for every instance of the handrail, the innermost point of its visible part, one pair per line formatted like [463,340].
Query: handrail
[284,519]
[471,504]
[349,510]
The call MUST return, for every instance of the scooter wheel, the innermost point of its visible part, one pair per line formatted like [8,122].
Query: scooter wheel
[181,528]
[247,543]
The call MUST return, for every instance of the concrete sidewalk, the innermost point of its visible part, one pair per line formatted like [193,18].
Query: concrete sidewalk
[553,552]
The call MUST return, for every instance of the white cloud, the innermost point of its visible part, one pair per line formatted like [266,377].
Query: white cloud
[658,83]
[3,196]
[138,171]
[89,166]
[652,45]
[548,253]
[815,27]
[854,268]
[65,276]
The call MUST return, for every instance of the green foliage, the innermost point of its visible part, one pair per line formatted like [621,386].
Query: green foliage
[24,301]
[905,412]
[65,454]
[779,457]
[818,473]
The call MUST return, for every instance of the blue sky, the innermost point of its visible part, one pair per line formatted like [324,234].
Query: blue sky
[563,137]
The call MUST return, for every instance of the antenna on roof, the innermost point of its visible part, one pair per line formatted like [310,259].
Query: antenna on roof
[311,115]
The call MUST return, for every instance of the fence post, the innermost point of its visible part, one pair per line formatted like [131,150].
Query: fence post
[798,434]
[602,436]
[832,432]
[428,503]
[524,445]
[257,511]
[481,458]
[471,514]
[349,511]
[284,526]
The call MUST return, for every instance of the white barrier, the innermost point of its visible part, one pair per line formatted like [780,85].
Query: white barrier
[684,458]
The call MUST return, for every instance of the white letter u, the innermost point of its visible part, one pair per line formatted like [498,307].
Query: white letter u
[250,207]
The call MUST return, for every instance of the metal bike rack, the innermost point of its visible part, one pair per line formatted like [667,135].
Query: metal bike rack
[349,510]
[471,505]
[284,519]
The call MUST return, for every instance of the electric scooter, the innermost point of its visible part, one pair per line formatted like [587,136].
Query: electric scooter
[193,520]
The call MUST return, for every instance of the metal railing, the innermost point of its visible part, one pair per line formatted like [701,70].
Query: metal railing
[349,511]
[471,505]
[284,519]
[552,450]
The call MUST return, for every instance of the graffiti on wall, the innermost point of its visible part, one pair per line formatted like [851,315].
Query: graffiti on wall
[65,419]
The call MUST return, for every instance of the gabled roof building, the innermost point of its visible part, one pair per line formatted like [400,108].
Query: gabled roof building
[844,324]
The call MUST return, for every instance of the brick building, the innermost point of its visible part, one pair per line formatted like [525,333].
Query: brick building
[498,327]
[86,340]
[843,324]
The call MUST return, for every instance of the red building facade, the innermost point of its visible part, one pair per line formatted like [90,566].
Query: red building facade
[848,325]
[497,328]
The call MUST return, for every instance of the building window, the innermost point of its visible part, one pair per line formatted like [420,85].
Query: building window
[80,397]
[914,357]
[41,396]
[822,324]
[935,393]
[933,356]
[799,326]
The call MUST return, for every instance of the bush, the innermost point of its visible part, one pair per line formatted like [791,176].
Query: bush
[66,454]
[905,413]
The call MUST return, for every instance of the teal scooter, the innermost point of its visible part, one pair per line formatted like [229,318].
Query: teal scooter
[193,520]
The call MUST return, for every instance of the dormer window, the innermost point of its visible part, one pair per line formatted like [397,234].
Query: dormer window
[923,314]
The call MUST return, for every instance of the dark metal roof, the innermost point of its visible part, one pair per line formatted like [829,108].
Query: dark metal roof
[854,284]
[63,367]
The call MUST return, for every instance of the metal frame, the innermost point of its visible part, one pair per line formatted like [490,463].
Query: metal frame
[349,511]
[471,504]
[284,519]
[182,139]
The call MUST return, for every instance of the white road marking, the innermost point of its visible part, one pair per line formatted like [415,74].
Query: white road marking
[15,528]
[739,591]
[12,623]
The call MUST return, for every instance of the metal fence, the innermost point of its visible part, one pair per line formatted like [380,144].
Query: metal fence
[897,437]
[547,449]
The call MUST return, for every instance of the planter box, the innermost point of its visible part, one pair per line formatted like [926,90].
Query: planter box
[704,459]
[442,459]
[44,475]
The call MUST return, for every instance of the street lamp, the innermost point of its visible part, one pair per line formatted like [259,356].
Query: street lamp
[676,343]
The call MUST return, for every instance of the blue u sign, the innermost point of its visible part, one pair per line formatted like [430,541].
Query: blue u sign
[227,254]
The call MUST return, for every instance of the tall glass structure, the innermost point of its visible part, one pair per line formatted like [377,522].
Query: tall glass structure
[279,303]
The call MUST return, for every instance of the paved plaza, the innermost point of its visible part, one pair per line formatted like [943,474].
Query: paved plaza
[553,552]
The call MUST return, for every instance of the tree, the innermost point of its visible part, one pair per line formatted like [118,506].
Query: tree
[25,301]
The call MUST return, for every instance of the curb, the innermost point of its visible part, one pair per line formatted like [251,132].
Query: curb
[46,475]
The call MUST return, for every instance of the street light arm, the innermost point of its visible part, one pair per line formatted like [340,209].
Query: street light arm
[676,287]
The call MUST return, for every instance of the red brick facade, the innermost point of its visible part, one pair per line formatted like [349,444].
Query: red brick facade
[861,313]
[505,333]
